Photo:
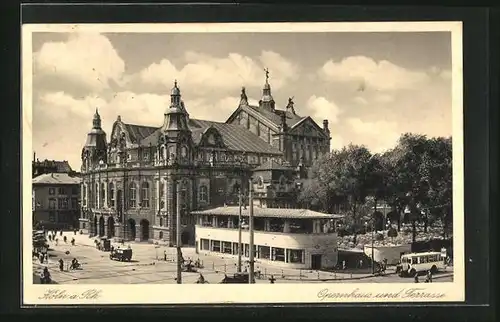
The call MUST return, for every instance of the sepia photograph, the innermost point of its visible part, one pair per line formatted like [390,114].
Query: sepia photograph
[323,157]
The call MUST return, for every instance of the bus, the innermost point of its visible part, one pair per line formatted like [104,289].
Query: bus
[415,263]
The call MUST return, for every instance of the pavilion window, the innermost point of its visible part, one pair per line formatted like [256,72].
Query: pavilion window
[300,226]
[265,252]
[133,195]
[145,195]
[205,244]
[259,224]
[226,247]
[278,254]
[276,225]
[216,246]
[295,256]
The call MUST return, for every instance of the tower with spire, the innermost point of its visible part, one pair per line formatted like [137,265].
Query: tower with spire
[176,140]
[267,100]
[94,151]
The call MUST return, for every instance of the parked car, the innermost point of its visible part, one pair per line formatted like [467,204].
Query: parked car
[237,278]
[121,255]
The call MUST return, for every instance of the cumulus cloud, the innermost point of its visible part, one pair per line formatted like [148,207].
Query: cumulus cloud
[88,59]
[378,135]
[384,98]
[320,108]
[207,73]
[360,100]
[382,75]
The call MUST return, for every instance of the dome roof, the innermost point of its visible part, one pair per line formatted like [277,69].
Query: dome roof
[175,90]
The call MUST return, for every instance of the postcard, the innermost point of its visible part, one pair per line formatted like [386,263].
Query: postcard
[320,162]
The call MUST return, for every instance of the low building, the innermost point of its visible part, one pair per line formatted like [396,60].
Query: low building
[392,253]
[56,201]
[50,166]
[294,238]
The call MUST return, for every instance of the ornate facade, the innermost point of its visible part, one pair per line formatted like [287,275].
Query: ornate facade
[134,185]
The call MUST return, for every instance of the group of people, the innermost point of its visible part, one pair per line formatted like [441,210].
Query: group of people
[53,237]
[428,277]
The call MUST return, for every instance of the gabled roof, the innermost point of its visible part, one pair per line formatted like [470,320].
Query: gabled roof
[59,166]
[275,117]
[139,132]
[56,178]
[235,137]
[273,165]
[268,213]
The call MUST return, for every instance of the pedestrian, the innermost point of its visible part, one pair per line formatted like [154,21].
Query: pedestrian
[61,264]
[416,278]
[165,255]
[429,276]
[65,239]
[343,265]
[60,233]
[360,263]
[40,258]
[75,231]
[272,279]
[57,241]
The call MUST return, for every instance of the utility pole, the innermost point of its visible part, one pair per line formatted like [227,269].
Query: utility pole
[178,224]
[250,243]
[240,197]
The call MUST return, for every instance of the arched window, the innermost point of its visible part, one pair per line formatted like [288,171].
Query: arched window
[160,235]
[184,152]
[145,195]
[162,195]
[282,181]
[171,153]
[260,182]
[111,194]
[161,223]
[203,194]
[84,194]
[102,193]
[162,153]
[133,195]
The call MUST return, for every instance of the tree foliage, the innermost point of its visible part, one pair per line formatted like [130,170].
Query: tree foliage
[415,175]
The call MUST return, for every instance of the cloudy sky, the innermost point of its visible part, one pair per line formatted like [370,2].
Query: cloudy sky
[370,86]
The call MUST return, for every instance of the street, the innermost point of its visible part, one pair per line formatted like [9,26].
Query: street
[149,267]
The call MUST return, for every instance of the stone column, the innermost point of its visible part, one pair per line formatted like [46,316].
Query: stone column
[98,195]
[286,255]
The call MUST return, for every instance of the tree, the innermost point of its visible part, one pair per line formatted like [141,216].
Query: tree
[342,176]
[437,171]
[408,187]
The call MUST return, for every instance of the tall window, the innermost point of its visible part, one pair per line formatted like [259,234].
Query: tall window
[74,203]
[62,191]
[145,195]
[133,195]
[52,203]
[84,195]
[96,195]
[102,193]
[162,195]
[52,191]
[203,194]
[74,190]
[62,203]
[111,194]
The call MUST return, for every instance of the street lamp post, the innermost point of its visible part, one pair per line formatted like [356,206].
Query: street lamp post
[240,201]
[373,253]
[250,228]
[178,239]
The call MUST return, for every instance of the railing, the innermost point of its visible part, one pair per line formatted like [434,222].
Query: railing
[266,231]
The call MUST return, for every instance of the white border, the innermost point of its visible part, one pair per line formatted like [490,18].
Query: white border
[256,293]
